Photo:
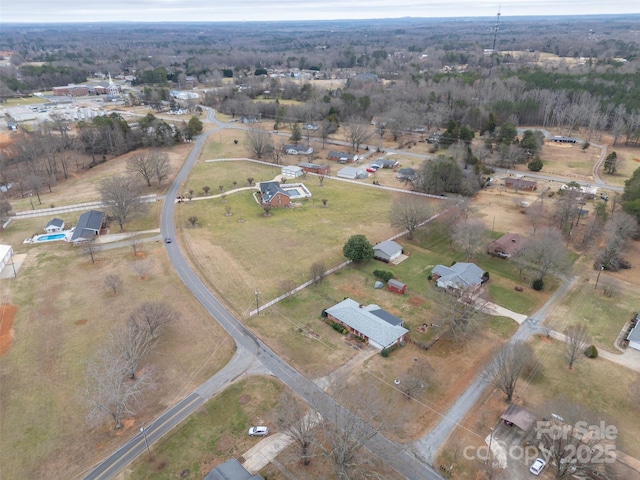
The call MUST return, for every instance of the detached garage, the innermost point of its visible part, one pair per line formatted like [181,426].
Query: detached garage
[352,173]
[292,171]
[387,251]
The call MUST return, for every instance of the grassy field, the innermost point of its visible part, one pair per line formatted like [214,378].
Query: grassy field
[251,251]
[64,315]
[214,434]
[14,102]
[604,317]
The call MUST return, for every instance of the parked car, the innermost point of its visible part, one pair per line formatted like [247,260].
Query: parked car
[537,466]
[372,170]
[260,431]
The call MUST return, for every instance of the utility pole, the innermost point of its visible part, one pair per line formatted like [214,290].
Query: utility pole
[146,442]
[495,37]
[598,277]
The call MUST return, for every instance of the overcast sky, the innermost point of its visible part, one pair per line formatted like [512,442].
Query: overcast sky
[251,10]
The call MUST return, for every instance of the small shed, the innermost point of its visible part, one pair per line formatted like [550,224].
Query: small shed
[55,225]
[231,470]
[292,171]
[396,286]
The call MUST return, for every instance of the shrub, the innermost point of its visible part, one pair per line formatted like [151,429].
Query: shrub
[430,277]
[486,275]
[591,351]
[383,275]
[324,313]
[535,165]
[538,284]
[384,352]
[339,328]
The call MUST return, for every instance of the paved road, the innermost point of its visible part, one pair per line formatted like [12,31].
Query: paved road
[251,356]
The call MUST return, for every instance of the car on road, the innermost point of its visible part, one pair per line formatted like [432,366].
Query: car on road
[537,466]
[260,431]
[167,240]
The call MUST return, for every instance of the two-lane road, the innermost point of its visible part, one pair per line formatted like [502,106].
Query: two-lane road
[251,355]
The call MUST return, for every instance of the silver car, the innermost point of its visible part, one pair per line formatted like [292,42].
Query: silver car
[260,431]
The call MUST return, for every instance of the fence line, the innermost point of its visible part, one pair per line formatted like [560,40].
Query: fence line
[42,212]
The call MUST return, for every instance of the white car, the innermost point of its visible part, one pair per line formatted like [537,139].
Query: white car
[260,431]
[537,466]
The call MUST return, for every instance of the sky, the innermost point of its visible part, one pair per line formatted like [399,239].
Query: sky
[54,11]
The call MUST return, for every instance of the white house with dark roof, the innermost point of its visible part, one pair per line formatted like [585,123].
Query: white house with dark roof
[460,275]
[377,326]
[54,226]
[387,251]
[297,149]
[89,225]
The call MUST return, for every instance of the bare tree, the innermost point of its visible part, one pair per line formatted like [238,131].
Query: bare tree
[277,153]
[544,253]
[576,340]
[317,271]
[141,267]
[610,286]
[298,423]
[136,245]
[470,235]
[267,209]
[572,448]
[160,166]
[121,197]
[206,189]
[505,369]
[141,166]
[109,389]
[347,426]
[461,312]
[250,181]
[193,221]
[415,380]
[324,202]
[113,282]
[618,230]
[153,317]
[410,213]
[91,248]
[356,133]
[132,344]
[258,142]
[536,215]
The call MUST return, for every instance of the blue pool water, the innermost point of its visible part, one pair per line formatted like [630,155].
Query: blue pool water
[48,238]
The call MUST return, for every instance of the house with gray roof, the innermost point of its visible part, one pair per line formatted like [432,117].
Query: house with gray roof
[88,227]
[378,327]
[352,173]
[461,275]
[634,335]
[271,193]
[387,251]
[231,470]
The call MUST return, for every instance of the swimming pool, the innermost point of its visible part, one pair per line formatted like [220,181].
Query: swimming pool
[50,237]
